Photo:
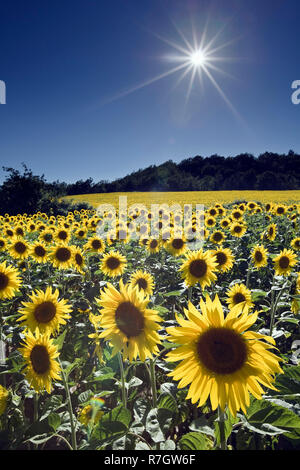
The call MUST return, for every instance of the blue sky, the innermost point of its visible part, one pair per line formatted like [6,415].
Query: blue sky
[70,67]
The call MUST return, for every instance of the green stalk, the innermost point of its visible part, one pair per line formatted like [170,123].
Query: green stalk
[273,308]
[153,383]
[123,388]
[69,405]
[221,415]
[248,275]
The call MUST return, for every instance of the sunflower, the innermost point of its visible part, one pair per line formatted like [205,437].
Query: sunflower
[90,415]
[239,298]
[40,356]
[217,237]
[95,245]
[61,256]
[259,256]
[270,233]
[143,280]
[176,245]
[220,359]
[153,245]
[9,281]
[4,394]
[39,252]
[81,233]
[78,260]
[237,214]
[225,259]
[62,235]
[113,264]
[128,324]
[47,236]
[19,248]
[225,222]
[210,221]
[3,244]
[295,290]
[279,209]
[44,311]
[284,262]
[237,229]
[295,243]
[199,267]
[251,206]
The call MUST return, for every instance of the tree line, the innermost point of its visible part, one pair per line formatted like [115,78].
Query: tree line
[29,193]
[268,171]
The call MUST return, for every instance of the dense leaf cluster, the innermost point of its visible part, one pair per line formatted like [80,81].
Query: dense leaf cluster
[269,171]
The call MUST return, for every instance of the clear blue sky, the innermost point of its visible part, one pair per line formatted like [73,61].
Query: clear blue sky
[69,67]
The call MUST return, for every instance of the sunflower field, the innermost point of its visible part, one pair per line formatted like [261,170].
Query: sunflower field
[129,342]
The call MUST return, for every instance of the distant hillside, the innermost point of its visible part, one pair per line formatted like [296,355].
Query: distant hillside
[268,171]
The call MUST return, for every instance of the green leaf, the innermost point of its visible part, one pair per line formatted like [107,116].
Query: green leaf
[202,425]
[85,396]
[174,293]
[112,426]
[54,421]
[59,340]
[266,417]
[158,423]
[194,441]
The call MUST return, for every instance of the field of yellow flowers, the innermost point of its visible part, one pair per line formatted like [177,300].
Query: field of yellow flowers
[113,338]
[208,198]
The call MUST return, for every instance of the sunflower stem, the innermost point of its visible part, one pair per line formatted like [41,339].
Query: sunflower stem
[35,412]
[69,405]
[221,416]
[248,274]
[153,383]
[123,388]
[274,307]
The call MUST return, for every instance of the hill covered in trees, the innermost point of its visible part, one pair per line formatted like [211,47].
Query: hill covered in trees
[268,171]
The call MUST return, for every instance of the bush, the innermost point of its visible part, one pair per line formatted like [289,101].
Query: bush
[28,193]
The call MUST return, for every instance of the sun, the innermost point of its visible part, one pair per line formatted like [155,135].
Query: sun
[198,58]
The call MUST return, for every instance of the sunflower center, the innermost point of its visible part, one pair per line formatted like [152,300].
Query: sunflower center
[284,262]
[63,254]
[129,319]
[258,256]
[78,259]
[218,236]
[221,258]
[153,243]
[62,235]
[222,351]
[4,280]
[198,268]
[238,298]
[177,243]
[2,243]
[237,228]
[280,210]
[48,237]
[40,251]
[112,262]
[20,247]
[40,360]
[142,283]
[45,312]
[271,231]
[96,244]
